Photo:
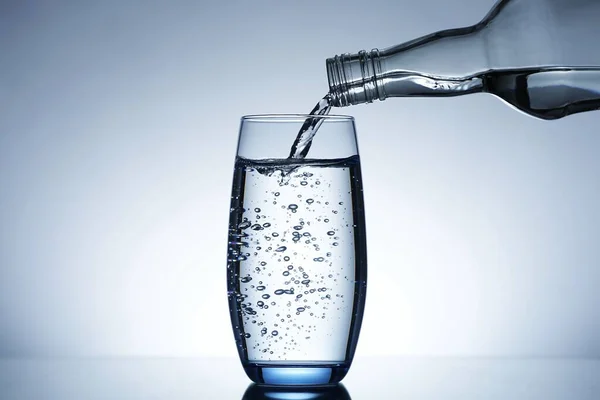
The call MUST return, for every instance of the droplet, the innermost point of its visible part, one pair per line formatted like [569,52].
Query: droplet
[297,227]
[263,263]
[286,258]
[279,292]
[304,183]
[257,227]
[310,201]
[247,335]
[257,210]
[260,303]
[319,259]
[266,224]
[263,331]
[244,225]
[276,193]
[274,333]
[261,287]
[265,296]
[335,243]
[300,309]
[280,249]
[286,273]
[331,233]
[290,267]
[246,279]
[293,206]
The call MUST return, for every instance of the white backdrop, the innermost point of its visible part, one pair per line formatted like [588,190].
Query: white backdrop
[118,126]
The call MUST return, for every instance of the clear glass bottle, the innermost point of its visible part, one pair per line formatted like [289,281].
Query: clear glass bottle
[541,56]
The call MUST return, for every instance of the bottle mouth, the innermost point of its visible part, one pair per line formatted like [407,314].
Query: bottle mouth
[355,78]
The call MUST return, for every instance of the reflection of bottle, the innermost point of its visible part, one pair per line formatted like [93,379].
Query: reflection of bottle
[541,56]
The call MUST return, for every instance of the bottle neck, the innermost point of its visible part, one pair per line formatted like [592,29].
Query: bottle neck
[445,63]
[355,78]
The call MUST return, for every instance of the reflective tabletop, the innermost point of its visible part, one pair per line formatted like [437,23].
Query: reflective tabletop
[369,378]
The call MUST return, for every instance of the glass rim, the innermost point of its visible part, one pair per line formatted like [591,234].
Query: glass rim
[294,117]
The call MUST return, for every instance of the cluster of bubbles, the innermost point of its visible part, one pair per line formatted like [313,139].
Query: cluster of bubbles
[288,272]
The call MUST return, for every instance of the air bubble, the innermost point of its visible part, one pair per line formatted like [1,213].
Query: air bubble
[274,333]
[280,249]
[266,225]
[331,233]
[304,183]
[247,335]
[286,273]
[300,309]
[257,227]
[244,225]
[263,263]
[290,267]
[257,210]
[261,288]
[286,258]
[310,201]
[265,296]
[246,279]
[319,259]
[263,331]
[293,206]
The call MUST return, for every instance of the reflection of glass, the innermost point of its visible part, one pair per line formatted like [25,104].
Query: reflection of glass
[297,251]
[260,392]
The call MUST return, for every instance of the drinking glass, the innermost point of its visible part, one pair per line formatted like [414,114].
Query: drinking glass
[297,268]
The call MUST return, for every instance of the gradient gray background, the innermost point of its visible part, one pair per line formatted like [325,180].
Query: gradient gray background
[118,127]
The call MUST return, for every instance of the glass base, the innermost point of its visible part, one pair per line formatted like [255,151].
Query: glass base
[296,374]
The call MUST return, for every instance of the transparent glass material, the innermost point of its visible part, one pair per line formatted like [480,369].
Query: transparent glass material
[540,56]
[296,269]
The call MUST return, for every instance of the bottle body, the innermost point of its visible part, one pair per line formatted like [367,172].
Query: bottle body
[541,56]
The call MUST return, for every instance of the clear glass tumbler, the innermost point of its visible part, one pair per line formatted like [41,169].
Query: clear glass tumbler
[297,268]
